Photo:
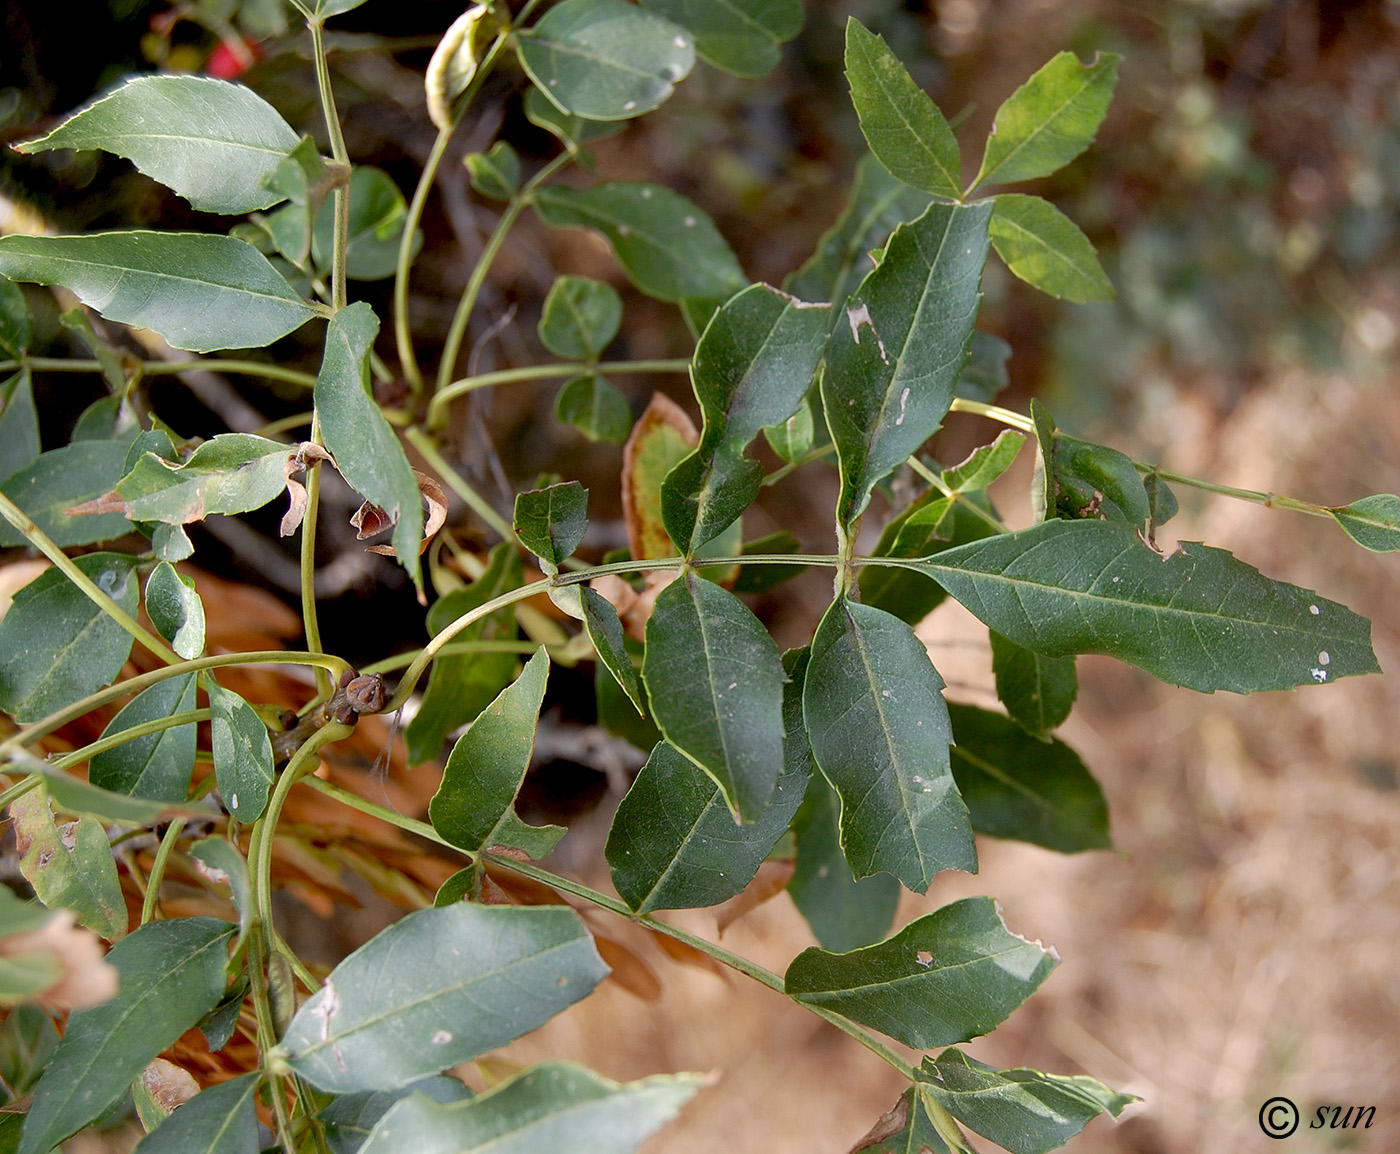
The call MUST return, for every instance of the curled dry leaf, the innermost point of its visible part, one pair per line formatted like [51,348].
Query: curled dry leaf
[307,454]
[168,1084]
[662,435]
[633,608]
[369,520]
[87,979]
[773,877]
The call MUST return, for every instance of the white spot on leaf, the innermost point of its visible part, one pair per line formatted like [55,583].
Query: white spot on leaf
[1324,658]
[1314,610]
[441,1037]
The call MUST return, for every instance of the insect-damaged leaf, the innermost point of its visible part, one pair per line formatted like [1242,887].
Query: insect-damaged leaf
[213,142]
[199,292]
[1024,1111]
[70,866]
[905,1129]
[605,60]
[552,1106]
[715,681]
[1075,478]
[1199,618]
[950,976]
[57,645]
[176,610]
[892,366]
[440,987]
[366,449]
[880,733]
[752,368]
[1028,789]
[474,807]
[171,975]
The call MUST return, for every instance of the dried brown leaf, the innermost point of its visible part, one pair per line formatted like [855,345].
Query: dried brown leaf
[771,880]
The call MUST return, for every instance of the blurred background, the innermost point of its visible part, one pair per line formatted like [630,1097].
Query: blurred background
[1242,943]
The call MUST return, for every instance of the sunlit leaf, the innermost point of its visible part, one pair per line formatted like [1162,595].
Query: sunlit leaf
[171,974]
[215,143]
[1024,1111]
[453,65]
[56,645]
[1198,618]
[901,124]
[440,987]
[605,60]
[905,1129]
[880,733]
[199,292]
[1043,247]
[949,976]
[554,1106]
[1372,522]
[985,464]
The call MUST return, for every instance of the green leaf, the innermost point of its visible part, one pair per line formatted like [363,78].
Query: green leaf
[1372,522]
[605,60]
[552,1106]
[880,733]
[158,765]
[176,610]
[715,681]
[595,408]
[752,368]
[366,449]
[741,37]
[328,8]
[667,245]
[378,213]
[440,987]
[1046,249]
[242,753]
[1077,478]
[904,1130]
[56,645]
[1049,120]
[1038,691]
[929,525]
[673,842]
[459,688]
[19,423]
[844,913]
[551,522]
[349,1118]
[793,439]
[1199,618]
[474,806]
[221,1119]
[605,631]
[580,318]
[212,142]
[226,864]
[64,479]
[573,130]
[1024,1111]
[891,367]
[70,795]
[953,975]
[878,203]
[70,867]
[985,464]
[171,973]
[16,321]
[901,124]
[496,172]
[27,1041]
[984,375]
[229,473]
[199,292]
[1027,789]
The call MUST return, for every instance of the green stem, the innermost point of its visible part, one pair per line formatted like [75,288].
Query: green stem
[41,729]
[1268,500]
[460,649]
[517,204]
[267,1029]
[995,413]
[449,393]
[46,545]
[814,455]
[121,737]
[285,424]
[459,484]
[937,482]
[168,368]
[153,880]
[308,559]
[20,788]
[341,156]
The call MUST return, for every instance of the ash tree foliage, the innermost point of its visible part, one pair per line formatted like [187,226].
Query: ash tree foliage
[841,758]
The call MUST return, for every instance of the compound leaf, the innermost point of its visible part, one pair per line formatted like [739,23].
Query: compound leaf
[950,976]
[199,292]
[439,987]
[901,124]
[715,681]
[213,142]
[171,973]
[605,60]
[1199,618]
[891,368]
